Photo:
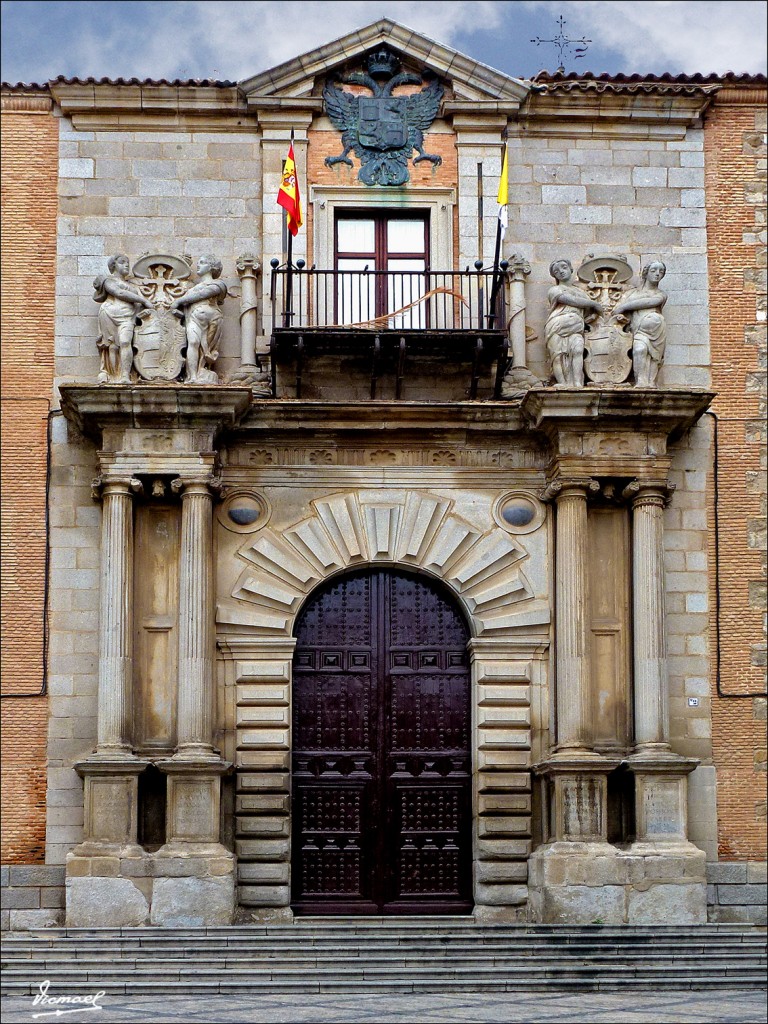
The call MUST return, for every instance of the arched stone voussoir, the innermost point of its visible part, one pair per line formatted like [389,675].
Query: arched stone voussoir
[411,528]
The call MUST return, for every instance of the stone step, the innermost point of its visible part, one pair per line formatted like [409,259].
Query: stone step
[384,955]
[340,982]
[358,928]
[303,951]
[363,962]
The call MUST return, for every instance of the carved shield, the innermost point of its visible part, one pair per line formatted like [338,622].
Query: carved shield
[608,360]
[159,340]
[382,122]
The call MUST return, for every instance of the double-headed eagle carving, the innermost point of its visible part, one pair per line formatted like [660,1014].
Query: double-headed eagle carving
[383,130]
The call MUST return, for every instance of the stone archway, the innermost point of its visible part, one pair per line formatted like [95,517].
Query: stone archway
[509,626]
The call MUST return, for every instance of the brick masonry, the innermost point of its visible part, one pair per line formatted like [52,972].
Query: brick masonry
[29,198]
[735,164]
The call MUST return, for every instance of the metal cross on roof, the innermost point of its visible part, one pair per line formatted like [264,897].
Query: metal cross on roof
[564,44]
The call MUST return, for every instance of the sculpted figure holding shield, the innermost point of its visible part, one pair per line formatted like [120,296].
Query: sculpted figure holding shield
[120,302]
[202,321]
[569,306]
[642,307]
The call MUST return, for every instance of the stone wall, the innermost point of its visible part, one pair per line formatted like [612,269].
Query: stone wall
[736,892]
[29,177]
[735,153]
[31,896]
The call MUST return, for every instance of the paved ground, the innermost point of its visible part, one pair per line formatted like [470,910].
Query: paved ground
[625,1007]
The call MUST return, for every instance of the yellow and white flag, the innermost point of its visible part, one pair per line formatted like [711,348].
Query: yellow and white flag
[503,196]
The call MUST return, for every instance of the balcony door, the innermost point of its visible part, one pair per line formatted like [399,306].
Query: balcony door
[381,258]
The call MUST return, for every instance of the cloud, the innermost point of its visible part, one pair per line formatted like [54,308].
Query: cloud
[193,39]
[204,40]
[662,35]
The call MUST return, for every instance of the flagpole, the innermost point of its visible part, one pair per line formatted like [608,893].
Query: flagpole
[289,283]
[289,279]
[502,198]
[496,281]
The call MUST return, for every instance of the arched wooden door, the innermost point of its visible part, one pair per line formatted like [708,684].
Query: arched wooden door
[381,785]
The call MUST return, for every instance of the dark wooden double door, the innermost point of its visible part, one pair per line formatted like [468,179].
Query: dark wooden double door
[381,783]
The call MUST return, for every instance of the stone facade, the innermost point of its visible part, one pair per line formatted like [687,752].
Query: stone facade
[171,630]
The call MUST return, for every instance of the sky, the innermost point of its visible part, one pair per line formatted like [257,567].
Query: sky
[234,40]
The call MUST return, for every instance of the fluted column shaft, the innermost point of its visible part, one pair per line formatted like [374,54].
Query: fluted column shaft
[115,620]
[572,659]
[650,654]
[196,633]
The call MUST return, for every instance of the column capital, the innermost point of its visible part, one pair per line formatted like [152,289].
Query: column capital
[247,265]
[203,483]
[648,492]
[115,483]
[519,267]
[562,487]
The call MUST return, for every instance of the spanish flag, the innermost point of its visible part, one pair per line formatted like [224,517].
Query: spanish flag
[288,196]
[503,196]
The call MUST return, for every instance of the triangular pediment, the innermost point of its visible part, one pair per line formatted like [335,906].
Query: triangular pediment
[469,79]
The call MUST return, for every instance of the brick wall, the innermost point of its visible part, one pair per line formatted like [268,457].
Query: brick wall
[735,165]
[29,200]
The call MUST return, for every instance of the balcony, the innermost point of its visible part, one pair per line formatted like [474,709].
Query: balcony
[384,324]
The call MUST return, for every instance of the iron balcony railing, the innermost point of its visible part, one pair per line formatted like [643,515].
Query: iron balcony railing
[306,299]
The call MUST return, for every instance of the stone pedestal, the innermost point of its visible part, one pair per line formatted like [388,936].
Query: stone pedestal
[95,894]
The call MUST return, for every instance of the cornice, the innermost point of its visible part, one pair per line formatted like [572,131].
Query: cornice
[94,408]
[641,113]
[151,106]
[667,411]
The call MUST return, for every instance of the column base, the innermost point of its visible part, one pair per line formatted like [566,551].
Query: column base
[194,886]
[661,796]
[596,883]
[194,794]
[185,885]
[577,783]
[110,798]
[108,885]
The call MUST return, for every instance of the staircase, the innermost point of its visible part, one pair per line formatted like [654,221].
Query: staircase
[428,954]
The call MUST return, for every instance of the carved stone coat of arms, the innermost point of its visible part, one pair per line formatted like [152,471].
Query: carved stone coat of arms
[608,346]
[382,129]
[159,338]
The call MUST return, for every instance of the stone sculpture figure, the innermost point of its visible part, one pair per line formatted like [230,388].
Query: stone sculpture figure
[202,321]
[642,307]
[569,307]
[120,302]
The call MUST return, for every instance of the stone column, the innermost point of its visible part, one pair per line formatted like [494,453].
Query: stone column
[571,626]
[519,269]
[250,371]
[113,728]
[194,873]
[651,701]
[111,773]
[196,628]
[661,806]
[575,776]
